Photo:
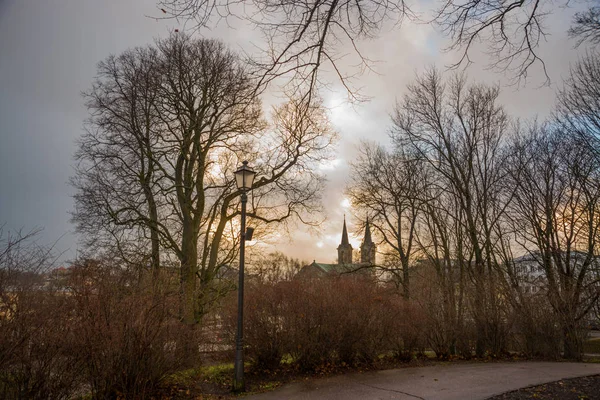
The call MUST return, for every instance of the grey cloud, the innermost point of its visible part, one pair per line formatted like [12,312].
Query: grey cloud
[48,54]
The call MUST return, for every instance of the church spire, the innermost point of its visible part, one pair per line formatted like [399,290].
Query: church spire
[345,233]
[367,248]
[345,248]
[367,239]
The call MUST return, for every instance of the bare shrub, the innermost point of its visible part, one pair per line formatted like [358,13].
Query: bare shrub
[309,323]
[333,321]
[128,337]
[93,326]
[264,330]
[36,362]
[407,330]
[442,302]
[366,316]
[35,358]
[537,329]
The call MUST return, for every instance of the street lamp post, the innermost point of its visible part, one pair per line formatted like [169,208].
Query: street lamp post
[244,177]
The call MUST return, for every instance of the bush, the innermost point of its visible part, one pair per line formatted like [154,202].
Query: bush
[537,329]
[444,329]
[91,327]
[264,331]
[407,333]
[35,348]
[129,339]
[345,320]
[313,322]
[36,361]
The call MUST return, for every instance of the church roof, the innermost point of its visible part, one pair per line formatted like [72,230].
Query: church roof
[337,268]
[325,267]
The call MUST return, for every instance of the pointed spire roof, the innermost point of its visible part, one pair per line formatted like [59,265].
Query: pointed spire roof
[367,239]
[345,233]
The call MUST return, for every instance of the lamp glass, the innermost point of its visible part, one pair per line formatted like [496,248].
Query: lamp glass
[244,177]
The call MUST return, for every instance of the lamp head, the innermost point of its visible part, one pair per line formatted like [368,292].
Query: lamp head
[244,177]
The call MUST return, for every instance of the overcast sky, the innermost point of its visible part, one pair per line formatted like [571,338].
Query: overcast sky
[48,55]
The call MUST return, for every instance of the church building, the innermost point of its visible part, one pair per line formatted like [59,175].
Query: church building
[345,262]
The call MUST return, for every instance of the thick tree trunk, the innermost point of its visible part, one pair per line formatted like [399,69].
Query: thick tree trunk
[188,280]
[154,239]
[480,317]
[572,346]
[405,280]
[155,253]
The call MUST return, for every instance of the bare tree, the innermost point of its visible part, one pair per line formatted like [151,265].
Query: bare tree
[389,187]
[304,37]
[442,242]
[199,116]
[511,30]
[578,107]
[586,26]
[274,267]
[117,176]
[458,129]
[556,208]
[22,263]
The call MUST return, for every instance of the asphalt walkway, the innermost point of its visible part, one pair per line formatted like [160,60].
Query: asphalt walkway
[441,382]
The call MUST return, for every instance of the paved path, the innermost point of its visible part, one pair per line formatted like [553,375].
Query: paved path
[440,382]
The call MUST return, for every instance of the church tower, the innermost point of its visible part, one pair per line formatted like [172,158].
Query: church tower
[345,248]
[367,248]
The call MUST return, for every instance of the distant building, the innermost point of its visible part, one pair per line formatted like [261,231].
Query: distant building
[530,273]
[532,277]
[345,264]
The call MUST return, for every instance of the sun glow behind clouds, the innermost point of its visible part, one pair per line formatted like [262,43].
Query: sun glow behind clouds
[340,110]
[329,165]
[345,203]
